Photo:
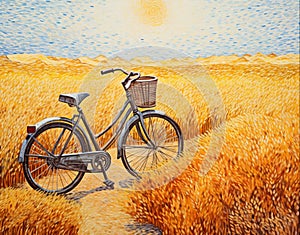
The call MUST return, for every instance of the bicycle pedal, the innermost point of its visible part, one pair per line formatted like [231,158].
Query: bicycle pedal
[109,183]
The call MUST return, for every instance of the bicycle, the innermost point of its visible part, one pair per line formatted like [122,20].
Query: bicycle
[58,151]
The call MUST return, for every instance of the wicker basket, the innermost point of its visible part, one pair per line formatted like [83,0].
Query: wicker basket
[143,91]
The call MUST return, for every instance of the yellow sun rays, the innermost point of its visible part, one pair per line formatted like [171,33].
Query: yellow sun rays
[151,12]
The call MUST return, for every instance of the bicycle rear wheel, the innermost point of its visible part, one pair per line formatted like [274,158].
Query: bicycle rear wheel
[41,158]
[167,143]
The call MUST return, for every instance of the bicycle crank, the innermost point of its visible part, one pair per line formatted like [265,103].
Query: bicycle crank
[103,157]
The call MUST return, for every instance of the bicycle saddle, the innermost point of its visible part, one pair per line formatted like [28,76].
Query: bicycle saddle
[73,99]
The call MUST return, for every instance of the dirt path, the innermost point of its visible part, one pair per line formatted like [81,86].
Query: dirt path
[103,208]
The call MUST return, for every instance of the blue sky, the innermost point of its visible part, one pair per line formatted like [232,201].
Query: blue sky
[197,28]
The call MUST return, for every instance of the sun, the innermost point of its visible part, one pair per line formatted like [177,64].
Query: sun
[151,12]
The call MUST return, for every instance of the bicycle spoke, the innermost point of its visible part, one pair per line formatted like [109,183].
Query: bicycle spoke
[154,159]
[50,180]
[71,177]
[138,151]
[141,161]
[168,149]
[171,139]
[137,147]
[36,160]
[42,172]
[61,179]
[53,174]
[165,154]
[39,156]
[135,155]
[43,148]
[144,163]
[138,155]
[36,169]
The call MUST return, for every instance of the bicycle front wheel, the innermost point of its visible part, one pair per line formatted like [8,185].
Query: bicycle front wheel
[140,156]
[41,158]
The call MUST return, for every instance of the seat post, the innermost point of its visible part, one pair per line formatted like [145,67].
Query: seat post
[79,109]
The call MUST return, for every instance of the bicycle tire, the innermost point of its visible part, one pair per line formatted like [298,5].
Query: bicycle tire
[166,136]
[40,171]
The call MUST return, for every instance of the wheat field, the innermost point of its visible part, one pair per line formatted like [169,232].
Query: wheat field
[252,184]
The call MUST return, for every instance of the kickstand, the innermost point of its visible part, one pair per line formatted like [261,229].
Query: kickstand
[109,183]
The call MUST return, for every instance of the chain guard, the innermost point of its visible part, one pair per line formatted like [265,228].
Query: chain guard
[88,162]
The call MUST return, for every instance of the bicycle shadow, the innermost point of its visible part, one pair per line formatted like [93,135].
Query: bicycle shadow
[76,196]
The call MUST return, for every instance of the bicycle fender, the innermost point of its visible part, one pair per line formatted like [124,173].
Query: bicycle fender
[127,125]
[52,119]
[41,124]
[23,148]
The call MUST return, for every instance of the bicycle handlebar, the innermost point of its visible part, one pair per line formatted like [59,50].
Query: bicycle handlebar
[107,71]
[113,70]
[127,81]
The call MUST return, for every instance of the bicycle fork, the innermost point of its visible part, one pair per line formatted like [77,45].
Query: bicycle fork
[144,133]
